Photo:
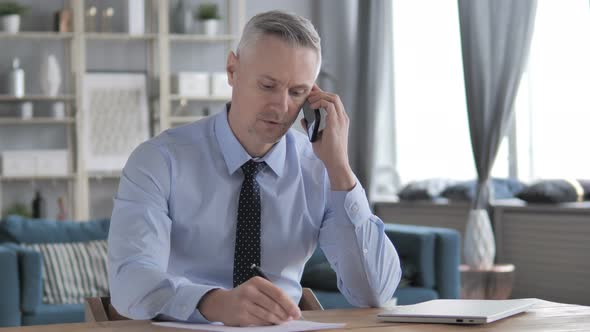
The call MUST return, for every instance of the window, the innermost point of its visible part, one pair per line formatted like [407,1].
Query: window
[552,109]
[553,104]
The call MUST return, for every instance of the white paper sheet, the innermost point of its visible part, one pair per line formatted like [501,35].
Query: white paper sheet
[290,326]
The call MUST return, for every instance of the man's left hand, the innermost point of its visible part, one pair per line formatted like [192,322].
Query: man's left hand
[332,146]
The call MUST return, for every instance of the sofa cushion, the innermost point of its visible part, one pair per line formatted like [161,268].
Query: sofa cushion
[415,247]
[428,189]
[466,190]
[55,314]
[332,300]
[25,230]
[318,274]
[556,191]
[9,299]
[30,269]
[73,271]
[412,295]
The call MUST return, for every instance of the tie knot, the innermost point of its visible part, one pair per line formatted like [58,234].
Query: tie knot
[251,168]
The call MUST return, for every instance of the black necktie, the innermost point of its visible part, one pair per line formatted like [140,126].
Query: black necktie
[247,251]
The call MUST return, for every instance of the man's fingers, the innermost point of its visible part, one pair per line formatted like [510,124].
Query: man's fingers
[270,305]
[331,113]
[326,96]
[303,123]
[277,295]
[265,315]
[250,319]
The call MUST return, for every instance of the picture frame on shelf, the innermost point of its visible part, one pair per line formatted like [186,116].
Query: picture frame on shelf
[115,118]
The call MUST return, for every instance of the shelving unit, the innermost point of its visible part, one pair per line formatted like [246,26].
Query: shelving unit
[8,99]
[36,35]
[37,178]
[119,36]
[160,44]
[189,98]
[177,120]
[35,121]
[202,38]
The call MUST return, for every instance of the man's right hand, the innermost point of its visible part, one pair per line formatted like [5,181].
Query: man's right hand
[255,302]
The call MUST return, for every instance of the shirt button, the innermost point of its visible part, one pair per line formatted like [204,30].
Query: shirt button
[365,251]
[355,208]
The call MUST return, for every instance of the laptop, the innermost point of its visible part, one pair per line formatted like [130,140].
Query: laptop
[456,311]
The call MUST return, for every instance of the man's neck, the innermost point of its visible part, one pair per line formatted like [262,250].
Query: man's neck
[254,149]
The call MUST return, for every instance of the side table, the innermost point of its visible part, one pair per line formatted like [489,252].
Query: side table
[495,283]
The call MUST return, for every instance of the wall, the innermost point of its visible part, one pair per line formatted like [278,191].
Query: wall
[101,56]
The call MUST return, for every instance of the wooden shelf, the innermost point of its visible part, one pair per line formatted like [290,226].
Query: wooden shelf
[189,98]
[201,38]
[161,47]
[119,36]
[68,177]
[40,120]
[37,35]
[104,175]
[8,98]
[185,119]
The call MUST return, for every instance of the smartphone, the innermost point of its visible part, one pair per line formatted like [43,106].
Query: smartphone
[315,120]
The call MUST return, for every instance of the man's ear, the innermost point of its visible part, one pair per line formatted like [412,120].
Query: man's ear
[231,67]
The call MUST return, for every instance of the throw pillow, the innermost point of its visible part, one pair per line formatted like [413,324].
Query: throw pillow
[26,230]
[424,190]
[73,271]
[556,191]
[465,191]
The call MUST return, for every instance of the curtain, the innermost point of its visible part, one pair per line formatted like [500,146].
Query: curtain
[495,38]
[357,46]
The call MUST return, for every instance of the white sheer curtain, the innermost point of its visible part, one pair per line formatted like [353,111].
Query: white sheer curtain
[552,108]
[431,113]
[553,105]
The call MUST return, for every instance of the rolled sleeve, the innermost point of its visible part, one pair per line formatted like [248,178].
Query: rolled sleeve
[139,245]
[351,205]
[184,304]
[355,244]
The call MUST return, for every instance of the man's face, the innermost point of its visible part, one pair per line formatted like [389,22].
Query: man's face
[271,80]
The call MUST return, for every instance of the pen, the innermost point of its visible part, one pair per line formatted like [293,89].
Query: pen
[258,271]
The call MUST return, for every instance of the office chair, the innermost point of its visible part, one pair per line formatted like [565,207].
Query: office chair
[100,309]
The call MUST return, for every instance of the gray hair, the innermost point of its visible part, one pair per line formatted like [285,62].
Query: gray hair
[295,30]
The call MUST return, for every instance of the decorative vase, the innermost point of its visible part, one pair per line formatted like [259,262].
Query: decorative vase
[10,23]
[183,18]
[479,248]
[50,76]
[209,27]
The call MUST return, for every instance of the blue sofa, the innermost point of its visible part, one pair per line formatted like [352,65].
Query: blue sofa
[430,259]
[429,256]
[20,277]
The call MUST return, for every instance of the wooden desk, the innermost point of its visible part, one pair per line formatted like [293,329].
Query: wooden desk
[545,316]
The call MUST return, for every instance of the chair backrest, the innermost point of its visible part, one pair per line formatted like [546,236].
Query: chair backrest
[100,309]
[309,301]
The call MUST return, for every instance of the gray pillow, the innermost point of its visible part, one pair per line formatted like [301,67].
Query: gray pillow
[424,190]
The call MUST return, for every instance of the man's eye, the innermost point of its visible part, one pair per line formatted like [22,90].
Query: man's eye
[297,93]
[266,86]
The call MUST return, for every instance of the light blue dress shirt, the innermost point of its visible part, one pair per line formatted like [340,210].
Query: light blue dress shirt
[173,226]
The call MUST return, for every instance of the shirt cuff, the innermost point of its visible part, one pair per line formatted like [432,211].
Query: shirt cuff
[354,203]
[186,301]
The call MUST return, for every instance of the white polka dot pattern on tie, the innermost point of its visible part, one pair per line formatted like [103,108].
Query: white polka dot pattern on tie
[247,245]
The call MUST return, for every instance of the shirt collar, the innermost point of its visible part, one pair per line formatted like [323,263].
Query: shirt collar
[234,153]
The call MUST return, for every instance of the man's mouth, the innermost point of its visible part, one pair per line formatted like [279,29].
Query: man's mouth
[271,122]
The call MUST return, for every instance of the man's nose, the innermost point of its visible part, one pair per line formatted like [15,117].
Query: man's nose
[282,101]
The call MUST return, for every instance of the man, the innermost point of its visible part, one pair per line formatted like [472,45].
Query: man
[199,204]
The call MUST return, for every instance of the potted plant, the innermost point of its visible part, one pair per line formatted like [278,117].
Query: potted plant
[10,13]
[208,15]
